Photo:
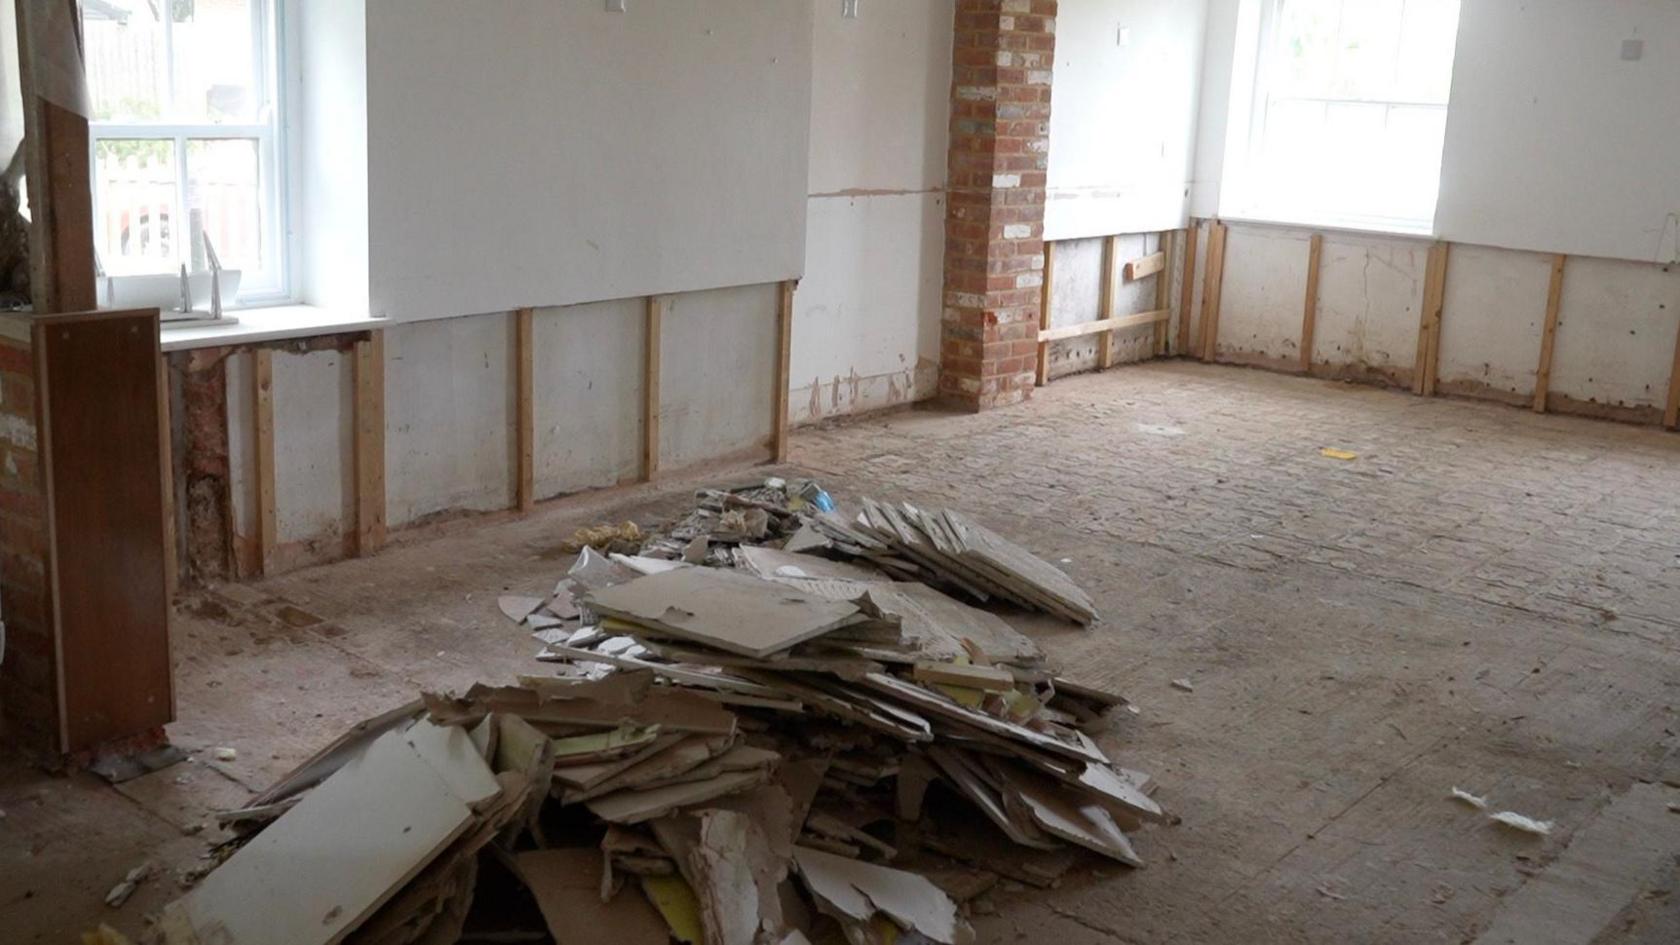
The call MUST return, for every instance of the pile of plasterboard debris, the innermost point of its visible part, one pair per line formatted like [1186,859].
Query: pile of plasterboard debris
[769,745]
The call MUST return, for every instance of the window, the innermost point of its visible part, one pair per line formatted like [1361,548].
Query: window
[1347,114]
[183,138]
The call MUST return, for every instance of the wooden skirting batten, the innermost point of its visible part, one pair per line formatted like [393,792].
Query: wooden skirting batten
[1548,334]
[525,422]
[783,372]
[650,388]
[369,460]
[1211,289]
[1309,309]
[262,409]
[1187,287]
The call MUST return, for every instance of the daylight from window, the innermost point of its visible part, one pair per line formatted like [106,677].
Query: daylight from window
[183,137]
[1349,112]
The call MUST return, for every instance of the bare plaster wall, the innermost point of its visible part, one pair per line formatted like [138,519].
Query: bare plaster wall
[587,387]
[718,355]
[1076,297]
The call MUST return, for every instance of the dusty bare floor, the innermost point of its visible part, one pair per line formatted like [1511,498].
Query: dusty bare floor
[1485,598]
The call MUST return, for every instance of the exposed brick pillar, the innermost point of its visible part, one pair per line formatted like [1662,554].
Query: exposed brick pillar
[994,223]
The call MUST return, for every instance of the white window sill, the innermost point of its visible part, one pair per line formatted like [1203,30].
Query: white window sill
[265,324]
[1355,227]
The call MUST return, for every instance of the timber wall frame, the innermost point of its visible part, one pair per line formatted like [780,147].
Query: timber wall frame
[368,530]
[1432,313]
[1157,264]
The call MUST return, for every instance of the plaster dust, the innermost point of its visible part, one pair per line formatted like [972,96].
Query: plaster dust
[1485,597]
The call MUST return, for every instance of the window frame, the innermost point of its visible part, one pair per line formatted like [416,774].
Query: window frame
[275,284]
[1253,79]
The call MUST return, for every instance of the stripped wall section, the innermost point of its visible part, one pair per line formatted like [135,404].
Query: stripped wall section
[588,391]
[1617,325]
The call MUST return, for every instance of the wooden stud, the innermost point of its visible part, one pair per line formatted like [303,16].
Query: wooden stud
[1429,321]
[525,412]
[784,355]
[1187,287]
[1309,309]
[1671,413]
[369,374]
[1163,293]
[262,409]
[1105,304]
[1104,325]
[1213,284]
[650,388]
[1548,334]
[1043,374]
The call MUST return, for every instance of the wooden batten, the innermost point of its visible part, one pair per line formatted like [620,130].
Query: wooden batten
[1429,321]
[1309,306]
[1047,335]
[262,409]
[1105,304]
[1042,375]
[369,457]
[1187,287]
[1548,334]
[166,475]
[1148,265]
[650,388]
[525,429]
[1211,288]
[784,375]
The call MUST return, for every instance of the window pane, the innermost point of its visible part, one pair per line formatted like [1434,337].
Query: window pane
[215,61]
[127,60]
[1427,40]
[137,223]
[224,199]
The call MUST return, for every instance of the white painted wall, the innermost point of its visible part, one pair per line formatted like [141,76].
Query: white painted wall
[1123,116]
[866,315]
[1556,144]
[327,113]
[533,152]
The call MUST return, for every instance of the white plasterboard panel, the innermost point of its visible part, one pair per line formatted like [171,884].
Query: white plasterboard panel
[1123,116]
[880,96]
[530,152]
[1555,143]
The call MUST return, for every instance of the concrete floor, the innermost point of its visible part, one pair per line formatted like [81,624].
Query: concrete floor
[1484,598]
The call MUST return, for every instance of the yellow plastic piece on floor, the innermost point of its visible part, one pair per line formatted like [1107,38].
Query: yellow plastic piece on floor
[1334,453]
[676,903]
[104,935]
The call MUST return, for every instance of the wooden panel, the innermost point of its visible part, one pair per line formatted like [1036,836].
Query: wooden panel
[60,192]
[1147,265]
[784,353]
[1548,334]
[1187,288]
[166,459]
[1309,306]
[370,443]
[101,436]
[1163,293]
[1042,374]
[650,389]
[1212,287]
[1105,304]
[1108,324]
[525,432]
[262,405]
[1429,321]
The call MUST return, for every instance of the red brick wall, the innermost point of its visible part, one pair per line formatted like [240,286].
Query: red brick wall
[28,683]
[994,224]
